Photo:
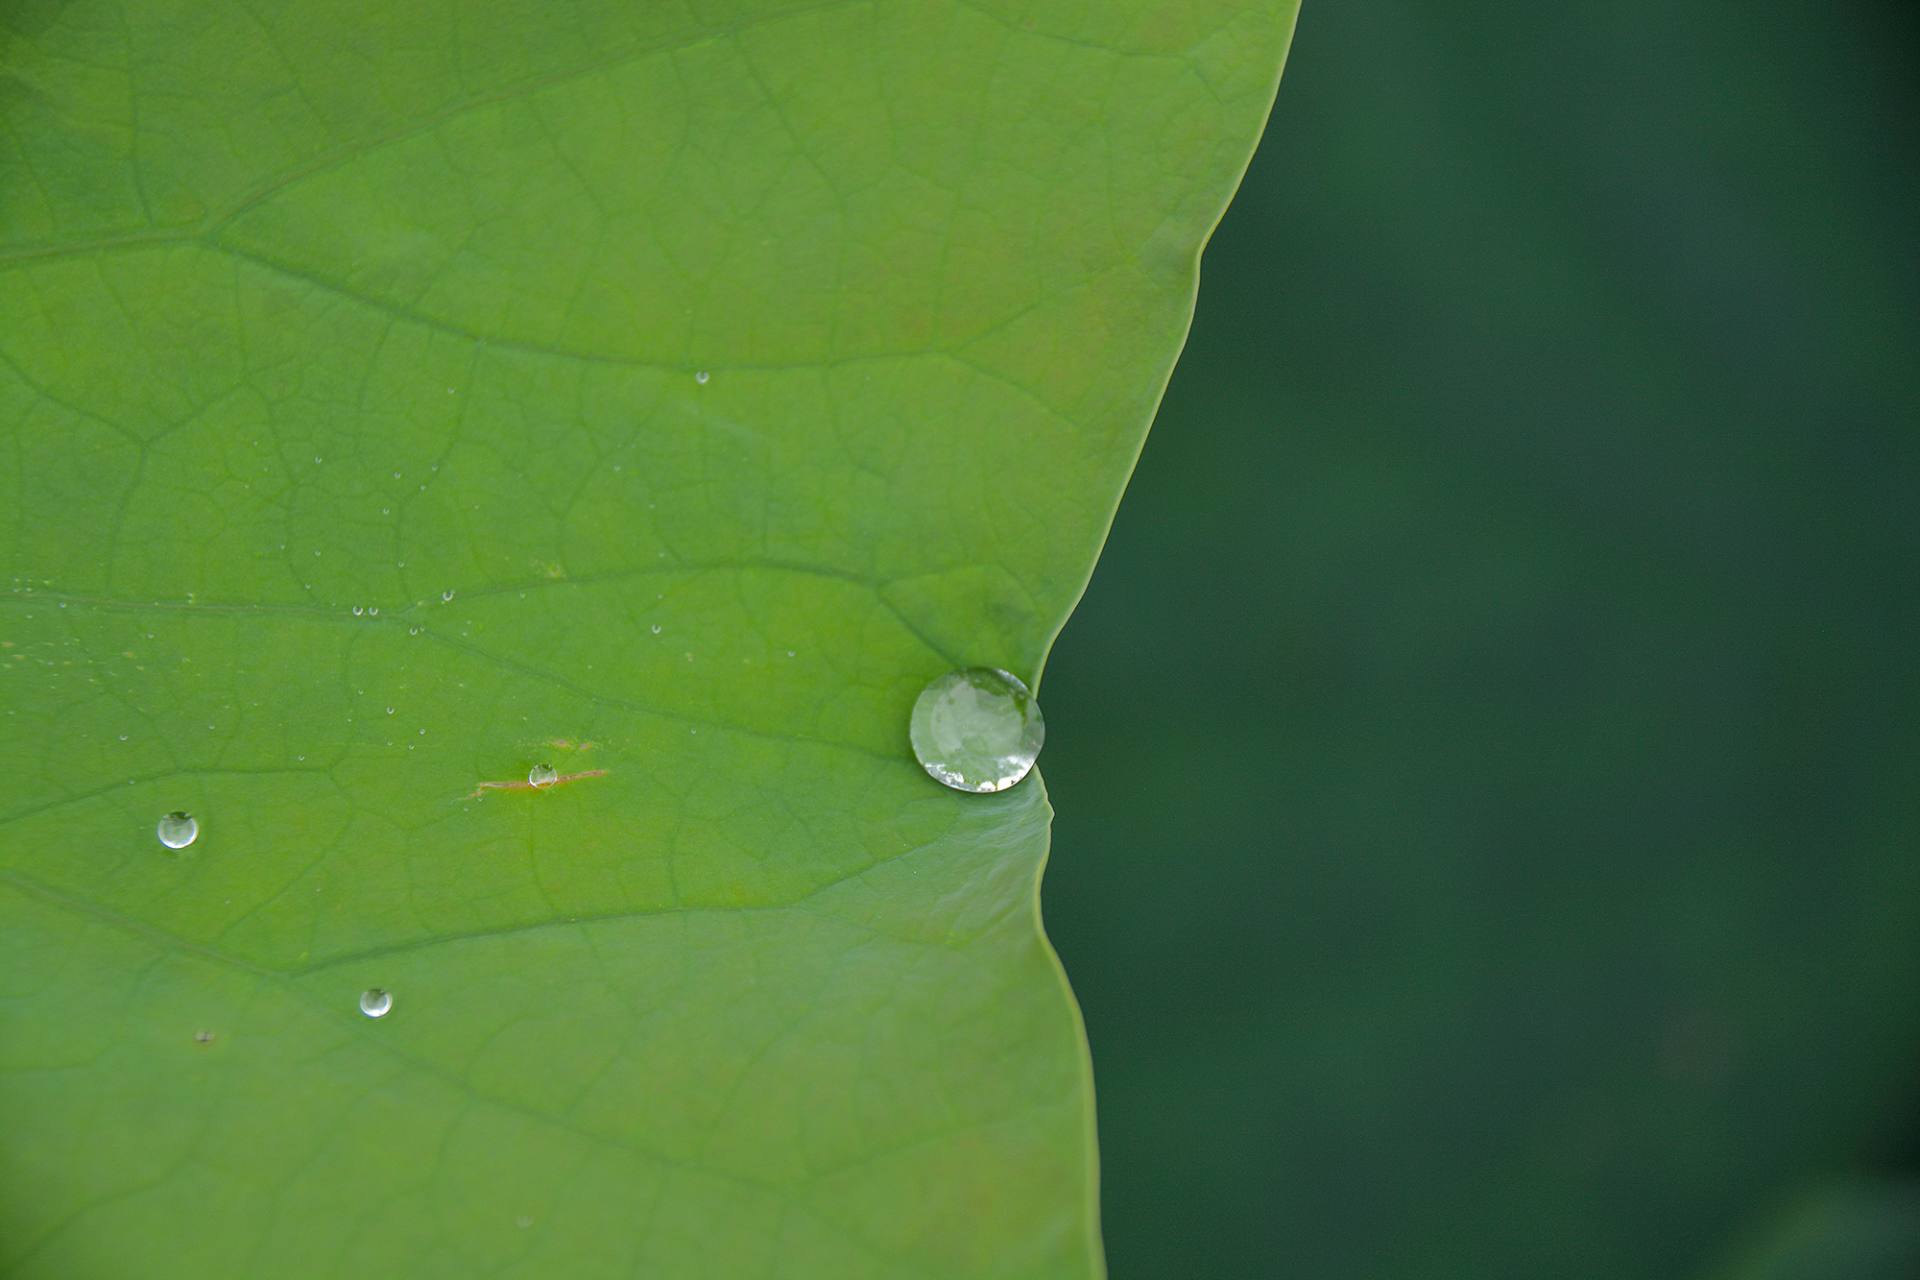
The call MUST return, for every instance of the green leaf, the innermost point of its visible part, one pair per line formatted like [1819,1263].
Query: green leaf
[1856,1231]
[399,397]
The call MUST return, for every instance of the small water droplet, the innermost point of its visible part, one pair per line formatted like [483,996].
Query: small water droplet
[413,631]
[789,653]
[376,1003]
[543,775]
[373,611]
[701,377]
[123,737]
[203,1037]
[446,597]
[358,610]
[655,628]
[396,475]
[976,730]
[178,830]
[386,511]
[389,710]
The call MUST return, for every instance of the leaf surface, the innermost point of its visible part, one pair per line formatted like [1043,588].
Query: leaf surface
[399,397]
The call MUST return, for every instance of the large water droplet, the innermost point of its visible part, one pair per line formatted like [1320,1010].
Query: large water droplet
[376,1003]
[976,730]
[178,830]
[543,775]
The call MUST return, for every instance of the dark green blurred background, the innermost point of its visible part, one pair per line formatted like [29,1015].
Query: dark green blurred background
[1488,757]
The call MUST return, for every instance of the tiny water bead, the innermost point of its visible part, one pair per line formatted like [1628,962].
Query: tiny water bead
[701,377]
[376,1003]
[542,775]
[178,830]
[976,730]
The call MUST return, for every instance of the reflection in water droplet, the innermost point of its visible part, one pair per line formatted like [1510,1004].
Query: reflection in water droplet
[976,730]
[543,775]
[178,830]
[376,1003]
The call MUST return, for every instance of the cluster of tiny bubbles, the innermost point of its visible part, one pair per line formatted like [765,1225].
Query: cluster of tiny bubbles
[178,829]
[976,730]
[542,775]
[375,1002]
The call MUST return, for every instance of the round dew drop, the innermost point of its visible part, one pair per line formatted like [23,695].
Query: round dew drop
[976,730]
[376,1003]
[178,830]
[542,775]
